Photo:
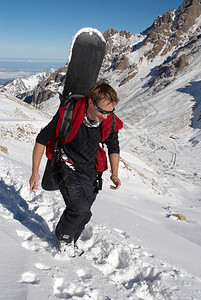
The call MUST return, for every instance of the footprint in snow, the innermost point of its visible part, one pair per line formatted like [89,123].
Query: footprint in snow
[66,291]
[41,266]
[27,240]
[83,274]
[26,235]
[30,242]
[116,259]
[69,291]
[29,278]
[121,233]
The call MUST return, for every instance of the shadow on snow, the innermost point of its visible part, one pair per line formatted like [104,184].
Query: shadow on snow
[193,89]
[13,202]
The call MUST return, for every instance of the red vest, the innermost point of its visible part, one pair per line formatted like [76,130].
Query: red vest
[77,118]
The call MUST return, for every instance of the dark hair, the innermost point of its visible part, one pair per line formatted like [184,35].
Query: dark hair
[102,91]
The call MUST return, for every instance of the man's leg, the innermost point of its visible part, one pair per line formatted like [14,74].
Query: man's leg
[82,226]
[79,194]
[76,211]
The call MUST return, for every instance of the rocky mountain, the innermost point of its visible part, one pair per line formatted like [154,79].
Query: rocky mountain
[154,252]
[21,87]
[166,47]
[47,88]
[152,58]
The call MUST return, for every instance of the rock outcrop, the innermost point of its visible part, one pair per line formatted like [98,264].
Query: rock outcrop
[164,49]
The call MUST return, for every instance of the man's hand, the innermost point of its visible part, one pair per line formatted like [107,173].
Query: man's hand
[33,181]
[116,181]
[37,155]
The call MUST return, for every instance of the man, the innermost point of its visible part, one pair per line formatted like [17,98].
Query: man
[81,160]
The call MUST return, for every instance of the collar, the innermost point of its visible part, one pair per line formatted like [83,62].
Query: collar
[89,123]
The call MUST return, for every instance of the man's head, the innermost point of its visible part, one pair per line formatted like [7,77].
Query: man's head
[102,101]
[103,91]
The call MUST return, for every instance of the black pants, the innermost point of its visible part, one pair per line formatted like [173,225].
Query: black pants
[79,192]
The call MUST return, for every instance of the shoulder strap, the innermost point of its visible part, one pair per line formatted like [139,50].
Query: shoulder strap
[66,124]
[64,100]
[112,128]
[113,123]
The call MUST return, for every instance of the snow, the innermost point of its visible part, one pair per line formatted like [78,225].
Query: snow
[135,245]
[143,241]
[51,106]
[29,83]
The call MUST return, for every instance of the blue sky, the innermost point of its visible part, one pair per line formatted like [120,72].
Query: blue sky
[44,29]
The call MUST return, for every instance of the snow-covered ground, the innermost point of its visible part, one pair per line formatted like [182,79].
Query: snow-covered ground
[25,84]
[136,246]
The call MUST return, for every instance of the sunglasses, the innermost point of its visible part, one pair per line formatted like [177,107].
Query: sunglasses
[102,111]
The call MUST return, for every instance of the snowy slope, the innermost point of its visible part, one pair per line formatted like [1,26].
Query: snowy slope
[24,85]
[143,241]
[134,247]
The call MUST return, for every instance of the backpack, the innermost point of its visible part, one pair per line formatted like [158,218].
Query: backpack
[49,180]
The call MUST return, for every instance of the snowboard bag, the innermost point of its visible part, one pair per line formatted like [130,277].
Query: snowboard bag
[49,180]
[86,56]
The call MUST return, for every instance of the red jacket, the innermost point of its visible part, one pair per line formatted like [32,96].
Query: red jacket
[77,118]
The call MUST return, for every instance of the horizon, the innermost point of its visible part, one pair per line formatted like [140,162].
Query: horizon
[13,68]
[30,59]
[44,30]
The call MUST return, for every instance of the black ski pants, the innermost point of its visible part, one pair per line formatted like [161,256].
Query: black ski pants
[79,192]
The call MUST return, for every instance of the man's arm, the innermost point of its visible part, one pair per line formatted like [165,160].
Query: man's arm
[114,163]
[37,156]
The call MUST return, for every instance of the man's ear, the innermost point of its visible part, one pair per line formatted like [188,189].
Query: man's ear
[90,102]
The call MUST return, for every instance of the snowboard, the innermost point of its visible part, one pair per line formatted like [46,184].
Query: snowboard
[86,56]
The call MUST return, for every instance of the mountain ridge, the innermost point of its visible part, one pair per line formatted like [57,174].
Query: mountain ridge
[152,59]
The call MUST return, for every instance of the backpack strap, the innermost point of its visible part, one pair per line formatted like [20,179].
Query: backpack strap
[66,124]
[64,100]
[111,130]
[113,123]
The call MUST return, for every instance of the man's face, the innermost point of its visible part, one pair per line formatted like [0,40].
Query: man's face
[97,110]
